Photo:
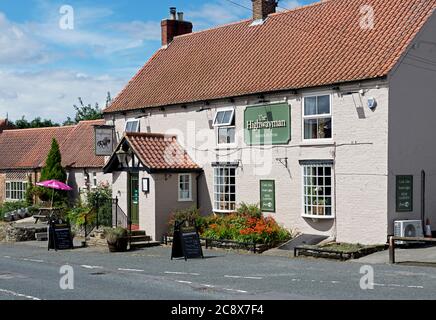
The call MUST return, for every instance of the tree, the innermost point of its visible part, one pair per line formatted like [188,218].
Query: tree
[86,112]
[35,123]
[53,170]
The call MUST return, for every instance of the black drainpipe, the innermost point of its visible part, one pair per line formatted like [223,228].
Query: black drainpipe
[423,182]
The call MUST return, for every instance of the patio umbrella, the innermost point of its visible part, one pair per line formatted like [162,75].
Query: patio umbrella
[55,185]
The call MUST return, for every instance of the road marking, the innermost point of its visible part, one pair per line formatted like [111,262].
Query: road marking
[16,294]
[207,285]
[234,290]
[7,257]
[182,273]
[186,282]
[416,287]
[33,260]
[397,286]
[241,277]
[91,267]
[131,270]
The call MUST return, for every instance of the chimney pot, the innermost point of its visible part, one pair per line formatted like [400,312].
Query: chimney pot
[263,8]
[180,16]
[173,11]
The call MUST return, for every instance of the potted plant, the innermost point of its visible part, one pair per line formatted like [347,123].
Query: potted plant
[117,239]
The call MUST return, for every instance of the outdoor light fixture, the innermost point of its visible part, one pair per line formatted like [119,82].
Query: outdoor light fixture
[122,157]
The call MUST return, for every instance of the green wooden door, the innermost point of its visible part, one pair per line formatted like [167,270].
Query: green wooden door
[134,197]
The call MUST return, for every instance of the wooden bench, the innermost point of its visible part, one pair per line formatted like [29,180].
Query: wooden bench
[392,245]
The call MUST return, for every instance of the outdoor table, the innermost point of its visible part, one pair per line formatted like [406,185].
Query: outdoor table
[44,213]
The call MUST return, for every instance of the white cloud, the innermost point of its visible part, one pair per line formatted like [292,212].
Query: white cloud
[18,46]
[51,94]
[140,30]
[213,14]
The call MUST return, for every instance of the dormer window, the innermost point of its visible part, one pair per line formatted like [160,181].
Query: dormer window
[132,125]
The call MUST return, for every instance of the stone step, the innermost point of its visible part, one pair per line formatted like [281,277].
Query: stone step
[141,238]
[42,236]
[138,233]
[144,244]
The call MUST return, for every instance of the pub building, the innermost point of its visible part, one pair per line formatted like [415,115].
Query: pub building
[322,114]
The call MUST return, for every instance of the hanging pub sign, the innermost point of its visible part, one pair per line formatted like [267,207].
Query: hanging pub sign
[404,193]
[267,124]
[268,196]
[186,241]
[59,236]
[104,140]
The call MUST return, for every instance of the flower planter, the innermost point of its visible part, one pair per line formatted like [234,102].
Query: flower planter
[119,246]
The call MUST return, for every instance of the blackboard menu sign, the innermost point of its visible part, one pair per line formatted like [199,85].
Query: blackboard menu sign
[186,242]
[404,193]
[60,237]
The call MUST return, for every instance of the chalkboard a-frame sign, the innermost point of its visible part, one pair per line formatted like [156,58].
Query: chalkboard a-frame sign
[186,242]
[59,236]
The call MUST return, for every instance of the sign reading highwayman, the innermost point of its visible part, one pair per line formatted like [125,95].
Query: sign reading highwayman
[104,140]
[267,196]
[404,193]
[267,124]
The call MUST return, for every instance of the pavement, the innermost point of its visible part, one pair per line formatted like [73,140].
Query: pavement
[29,272]
[411,256]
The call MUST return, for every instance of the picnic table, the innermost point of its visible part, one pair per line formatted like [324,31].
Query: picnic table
[45,213]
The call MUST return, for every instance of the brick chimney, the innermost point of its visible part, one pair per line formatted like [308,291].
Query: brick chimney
[263,8]
[174,26]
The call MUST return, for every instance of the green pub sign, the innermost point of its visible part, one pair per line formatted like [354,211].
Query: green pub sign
[404,193]
[267,124]
[268,196]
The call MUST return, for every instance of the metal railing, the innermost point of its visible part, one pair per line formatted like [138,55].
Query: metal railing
[119,217]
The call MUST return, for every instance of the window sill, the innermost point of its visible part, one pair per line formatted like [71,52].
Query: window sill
[306,216]
[185,200]
[224,211]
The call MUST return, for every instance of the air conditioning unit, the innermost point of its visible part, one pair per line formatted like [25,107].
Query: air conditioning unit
[408,229]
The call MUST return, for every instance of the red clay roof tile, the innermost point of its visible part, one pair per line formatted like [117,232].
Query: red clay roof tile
[158,151]
[28,148]
[315,45]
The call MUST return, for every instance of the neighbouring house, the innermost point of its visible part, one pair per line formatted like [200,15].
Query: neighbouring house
[322,114]
[24,152]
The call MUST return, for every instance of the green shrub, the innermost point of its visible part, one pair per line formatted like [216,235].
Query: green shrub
[100,199]
[192,215]
[251,210]
[11,206]
[113,234]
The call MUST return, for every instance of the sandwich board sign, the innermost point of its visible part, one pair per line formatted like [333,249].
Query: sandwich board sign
[186,242]
[59,236]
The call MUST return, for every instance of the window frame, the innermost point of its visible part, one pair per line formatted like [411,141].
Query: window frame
[179,182]
[218,193]
[316,116]
[227,124]
[332,196]
[138,121]
[23,190]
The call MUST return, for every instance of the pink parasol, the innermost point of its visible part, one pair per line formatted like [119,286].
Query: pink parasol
[55,185]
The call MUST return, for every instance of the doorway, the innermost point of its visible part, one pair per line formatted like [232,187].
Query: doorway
[133,205]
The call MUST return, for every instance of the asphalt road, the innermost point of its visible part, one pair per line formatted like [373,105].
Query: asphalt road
[29,272]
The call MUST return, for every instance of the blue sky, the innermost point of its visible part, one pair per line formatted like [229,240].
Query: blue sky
[44,68]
